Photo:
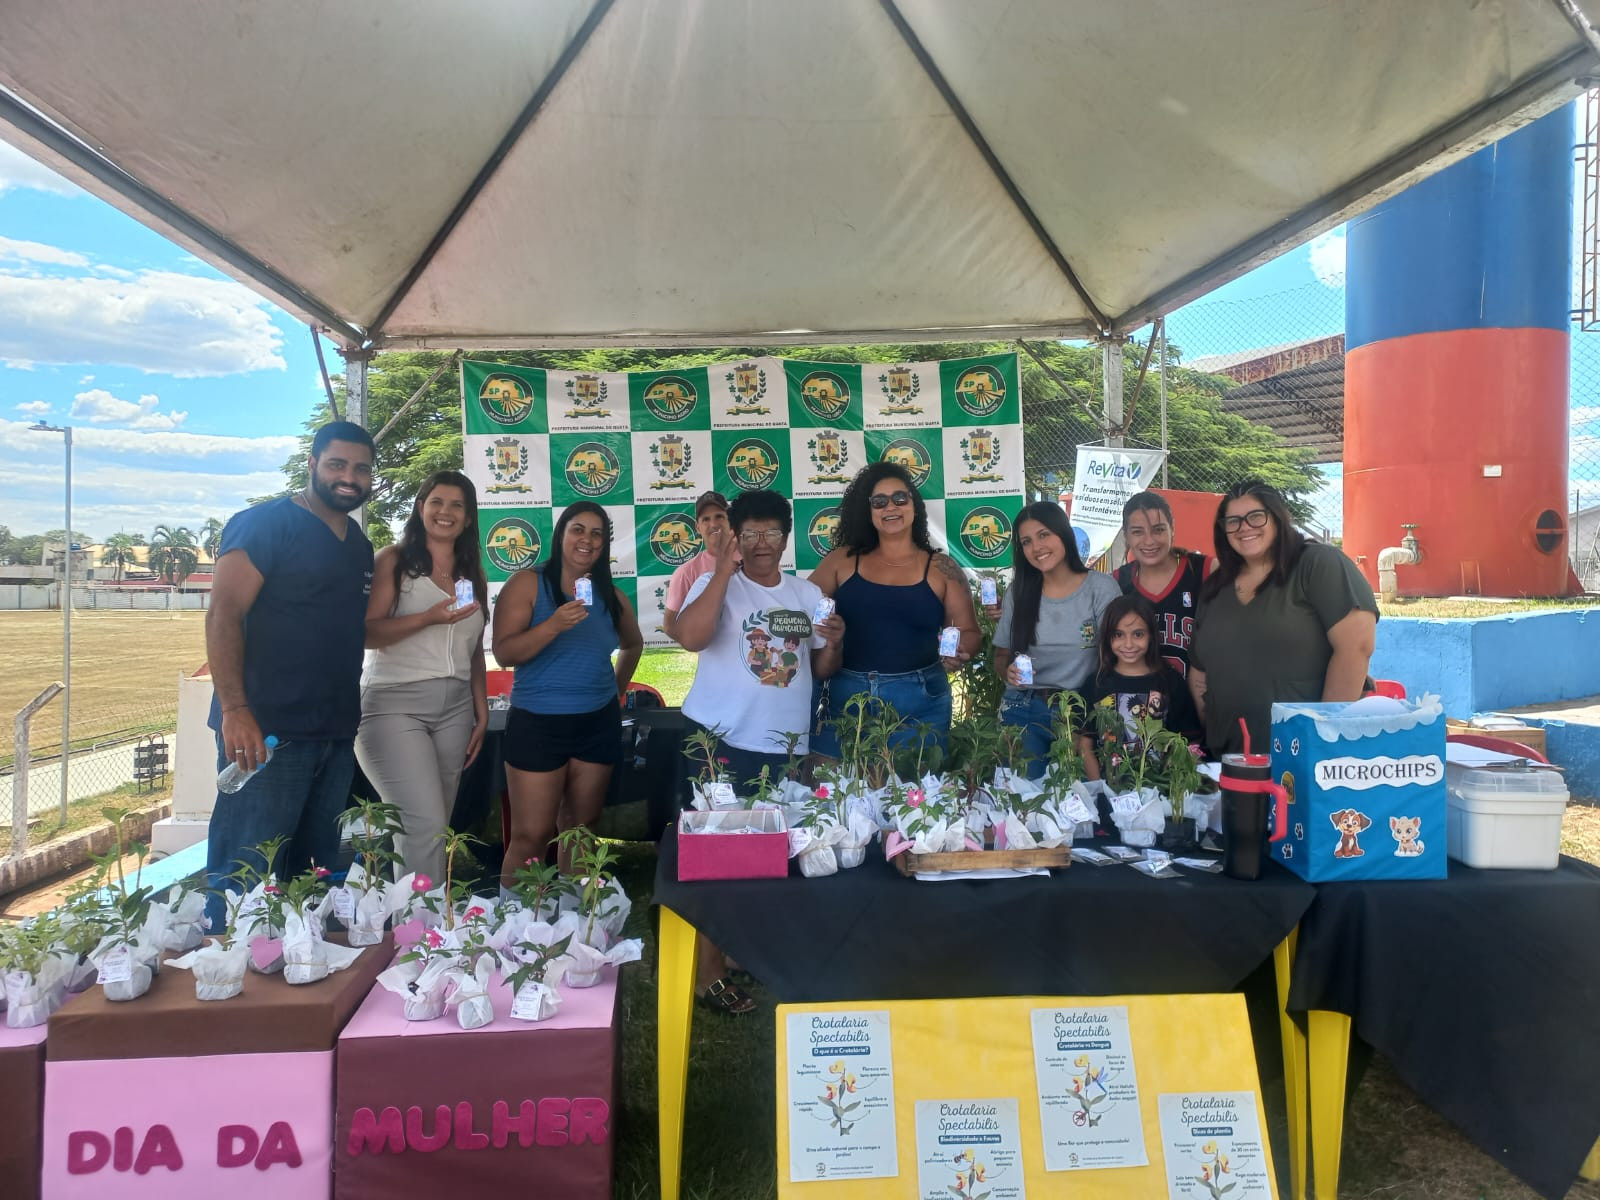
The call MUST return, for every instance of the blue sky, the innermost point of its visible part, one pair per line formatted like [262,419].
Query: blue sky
[185,390]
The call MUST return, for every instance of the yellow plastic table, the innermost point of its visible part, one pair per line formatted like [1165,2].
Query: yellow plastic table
[678,956]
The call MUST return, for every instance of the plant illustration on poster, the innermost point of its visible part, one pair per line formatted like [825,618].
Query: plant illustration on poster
[644,444]
[1213,1146]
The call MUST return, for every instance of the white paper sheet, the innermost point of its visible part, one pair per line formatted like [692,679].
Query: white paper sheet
[841,1096]
[1213,1146]
[1088,1092]
[969,1148]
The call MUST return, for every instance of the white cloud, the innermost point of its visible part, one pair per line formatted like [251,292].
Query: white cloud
[15,435]
[17,170]
[1326,254]
[86,379]
[34,408]
[159,322]
[100,407]
[37,252]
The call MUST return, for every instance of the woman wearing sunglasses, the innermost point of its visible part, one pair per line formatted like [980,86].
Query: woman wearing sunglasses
[895,592]
[1281,619]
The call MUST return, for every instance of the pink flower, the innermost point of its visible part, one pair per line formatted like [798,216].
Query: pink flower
[1194,749]
[323,872]
[1116,760]
[474,912]
[823,791]
[273,889]
[915,797]
[528,862]
[722,761]
[435,939]
[421,883]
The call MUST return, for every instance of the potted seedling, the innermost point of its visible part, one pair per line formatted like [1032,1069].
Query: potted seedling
[417,976]
[33,972]
[307,954]
[256,912]
[128,953]
[533,983]
[540,888]
[711,787]
[219,964]
[370,895]
[602,907]
[1130,771]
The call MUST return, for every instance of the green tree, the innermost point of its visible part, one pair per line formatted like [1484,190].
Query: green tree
[118,553]
[211,537]
[174,554]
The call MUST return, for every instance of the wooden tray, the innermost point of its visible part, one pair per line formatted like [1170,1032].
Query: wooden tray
[910,863]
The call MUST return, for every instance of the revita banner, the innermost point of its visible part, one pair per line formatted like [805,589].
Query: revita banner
[645,444]
[1105,478]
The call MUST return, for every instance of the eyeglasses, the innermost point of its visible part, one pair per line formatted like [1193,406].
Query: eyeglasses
[754,537]
[884,499]
[1255,518]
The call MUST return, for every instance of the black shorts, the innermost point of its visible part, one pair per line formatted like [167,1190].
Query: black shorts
[547,741]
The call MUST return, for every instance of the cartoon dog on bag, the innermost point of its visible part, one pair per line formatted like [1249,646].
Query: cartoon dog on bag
[1407,831]
[1350,824]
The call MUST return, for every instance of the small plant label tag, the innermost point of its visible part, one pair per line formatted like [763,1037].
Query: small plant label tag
[722,795]
[344,905]
[528,1004]
[117,967]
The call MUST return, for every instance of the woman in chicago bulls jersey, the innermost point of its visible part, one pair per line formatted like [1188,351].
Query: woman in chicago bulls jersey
[1169,578]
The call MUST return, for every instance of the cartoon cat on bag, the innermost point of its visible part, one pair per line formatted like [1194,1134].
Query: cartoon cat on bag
[1407,831]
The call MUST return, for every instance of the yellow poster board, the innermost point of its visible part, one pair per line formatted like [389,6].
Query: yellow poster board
[961,1048]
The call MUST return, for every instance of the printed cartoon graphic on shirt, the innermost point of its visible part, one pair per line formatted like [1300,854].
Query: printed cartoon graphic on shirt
[775,639]
[1134,706]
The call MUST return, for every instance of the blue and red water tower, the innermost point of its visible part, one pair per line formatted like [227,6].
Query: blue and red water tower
[1457,310]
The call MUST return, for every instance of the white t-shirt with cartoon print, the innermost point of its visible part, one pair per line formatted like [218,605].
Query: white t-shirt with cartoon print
[753,682]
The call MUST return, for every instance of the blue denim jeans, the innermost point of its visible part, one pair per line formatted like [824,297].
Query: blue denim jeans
[300,795]
[917,696]
[1030,711]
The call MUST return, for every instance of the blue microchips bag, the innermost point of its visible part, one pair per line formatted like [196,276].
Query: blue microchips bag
[1366,786]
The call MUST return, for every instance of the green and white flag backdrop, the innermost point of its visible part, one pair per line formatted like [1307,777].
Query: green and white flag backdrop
[645,444]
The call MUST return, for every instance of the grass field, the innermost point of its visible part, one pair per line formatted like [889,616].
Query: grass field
[125,669]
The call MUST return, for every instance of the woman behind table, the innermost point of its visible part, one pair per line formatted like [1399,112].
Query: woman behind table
[895,592]
[423,705]
[1281,619]
[1135,680]
[1169,578]
[1051,613]
[564,732]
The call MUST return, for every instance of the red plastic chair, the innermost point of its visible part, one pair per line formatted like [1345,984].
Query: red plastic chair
[1500,745]
[1391,688]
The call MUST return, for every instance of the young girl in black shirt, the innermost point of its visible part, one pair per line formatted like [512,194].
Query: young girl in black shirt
[1134,679]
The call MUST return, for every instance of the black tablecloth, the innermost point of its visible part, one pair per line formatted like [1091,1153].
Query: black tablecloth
[1482,990]
[872,934]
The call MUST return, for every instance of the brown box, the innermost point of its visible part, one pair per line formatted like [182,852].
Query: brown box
[1531,736]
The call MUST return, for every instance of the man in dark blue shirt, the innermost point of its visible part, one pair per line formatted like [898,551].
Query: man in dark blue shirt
[284,636]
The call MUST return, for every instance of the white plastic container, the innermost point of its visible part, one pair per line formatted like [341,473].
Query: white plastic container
[1506,818]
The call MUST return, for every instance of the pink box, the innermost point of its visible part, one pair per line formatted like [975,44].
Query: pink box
[426,1108]
[729,849]
[245,1126]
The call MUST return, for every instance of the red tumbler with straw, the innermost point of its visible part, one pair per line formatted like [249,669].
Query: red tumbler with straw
[1246,784]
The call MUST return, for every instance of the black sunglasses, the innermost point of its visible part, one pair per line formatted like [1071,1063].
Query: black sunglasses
[884,499]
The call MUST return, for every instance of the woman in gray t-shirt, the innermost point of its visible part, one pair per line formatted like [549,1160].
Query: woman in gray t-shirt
[1051,613]
[1280,619]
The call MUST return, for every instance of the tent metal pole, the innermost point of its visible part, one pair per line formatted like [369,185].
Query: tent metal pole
[1111,387]
[1161,331]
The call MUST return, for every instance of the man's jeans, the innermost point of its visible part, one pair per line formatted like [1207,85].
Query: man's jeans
[299,794]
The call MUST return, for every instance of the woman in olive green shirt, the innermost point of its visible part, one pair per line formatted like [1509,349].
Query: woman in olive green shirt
[1281,619]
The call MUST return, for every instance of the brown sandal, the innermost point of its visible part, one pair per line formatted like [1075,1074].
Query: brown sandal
[725,996]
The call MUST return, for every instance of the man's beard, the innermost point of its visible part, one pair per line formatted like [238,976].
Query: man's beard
[334,500]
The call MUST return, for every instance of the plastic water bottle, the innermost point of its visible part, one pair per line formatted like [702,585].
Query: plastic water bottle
[234,776]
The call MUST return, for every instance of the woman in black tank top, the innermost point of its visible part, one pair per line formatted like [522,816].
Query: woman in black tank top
[895,591]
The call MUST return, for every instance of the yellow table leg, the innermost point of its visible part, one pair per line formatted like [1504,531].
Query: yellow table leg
[1591,1165]
[676,958]
[1328,1045]
[1294,1067]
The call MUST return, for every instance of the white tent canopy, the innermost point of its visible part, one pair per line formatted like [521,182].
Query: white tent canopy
[495,173]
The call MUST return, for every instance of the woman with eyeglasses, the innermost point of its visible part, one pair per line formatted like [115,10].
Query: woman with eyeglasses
[895,591]
[759,649]
[1281,619]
